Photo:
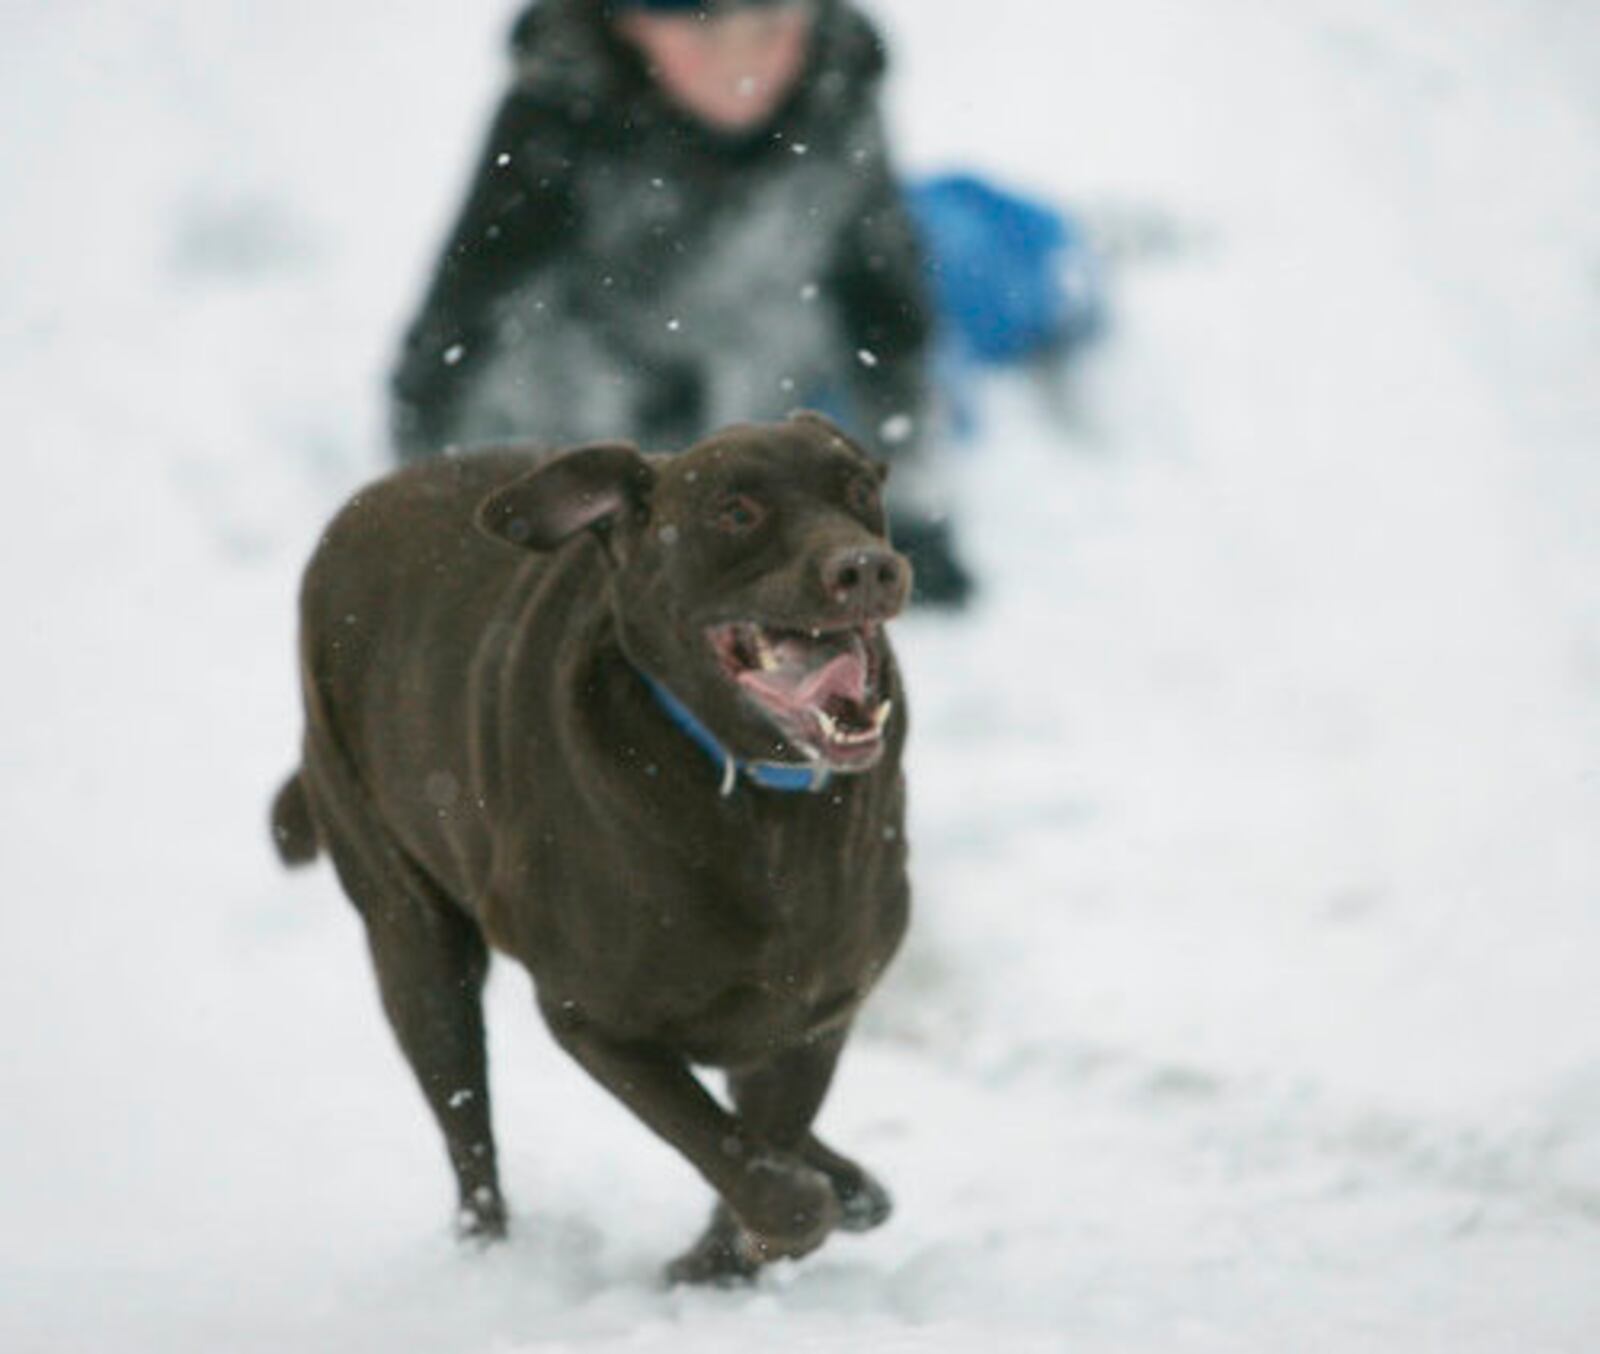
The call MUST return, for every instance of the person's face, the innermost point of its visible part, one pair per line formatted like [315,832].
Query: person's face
[731,71]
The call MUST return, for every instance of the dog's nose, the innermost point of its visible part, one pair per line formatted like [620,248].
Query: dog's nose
[867,579]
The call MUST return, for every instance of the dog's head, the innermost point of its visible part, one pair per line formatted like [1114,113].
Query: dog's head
[751,575]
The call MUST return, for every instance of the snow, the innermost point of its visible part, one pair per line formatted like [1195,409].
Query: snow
[1251,1000]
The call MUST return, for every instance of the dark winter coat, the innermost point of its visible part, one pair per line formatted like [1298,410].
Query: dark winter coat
[621,270]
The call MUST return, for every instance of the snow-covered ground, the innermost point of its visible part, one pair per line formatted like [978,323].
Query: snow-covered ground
[1253,998]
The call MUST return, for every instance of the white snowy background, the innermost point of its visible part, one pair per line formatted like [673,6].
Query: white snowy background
[1254,998]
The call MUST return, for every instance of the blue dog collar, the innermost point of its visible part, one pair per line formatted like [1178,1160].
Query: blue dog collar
[783,776]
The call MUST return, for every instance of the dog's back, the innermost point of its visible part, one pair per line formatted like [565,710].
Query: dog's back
[400,556]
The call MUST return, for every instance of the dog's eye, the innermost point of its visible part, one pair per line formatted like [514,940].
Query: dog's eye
[862,496]
[737,513]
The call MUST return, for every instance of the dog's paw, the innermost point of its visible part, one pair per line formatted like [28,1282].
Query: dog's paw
[787,1208]
[481,1218]
[724,1256]
[863,1201]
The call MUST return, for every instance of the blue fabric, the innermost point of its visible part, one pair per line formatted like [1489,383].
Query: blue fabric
[782,776]
[1011,277]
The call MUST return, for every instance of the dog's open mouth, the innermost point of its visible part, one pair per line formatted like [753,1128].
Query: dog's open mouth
[821,687]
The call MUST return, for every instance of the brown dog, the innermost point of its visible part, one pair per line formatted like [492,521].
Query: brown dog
[632,720]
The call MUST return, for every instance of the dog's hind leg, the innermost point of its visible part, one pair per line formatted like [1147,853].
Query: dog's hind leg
[431,962]
[431,965]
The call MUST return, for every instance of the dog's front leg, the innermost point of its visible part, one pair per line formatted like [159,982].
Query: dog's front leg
[780,1098]
[785,1206]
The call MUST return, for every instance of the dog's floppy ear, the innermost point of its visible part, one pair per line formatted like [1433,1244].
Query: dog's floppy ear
[586,487]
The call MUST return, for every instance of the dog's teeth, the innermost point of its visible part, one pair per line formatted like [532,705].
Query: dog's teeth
[840,737]
[766,655]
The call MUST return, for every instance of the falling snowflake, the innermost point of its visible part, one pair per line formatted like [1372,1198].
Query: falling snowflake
[896,428]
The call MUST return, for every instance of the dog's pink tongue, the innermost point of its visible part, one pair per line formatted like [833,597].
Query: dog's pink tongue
[844,676]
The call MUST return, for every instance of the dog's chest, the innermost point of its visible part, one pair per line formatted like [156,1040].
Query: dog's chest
[739,937]
[779,943]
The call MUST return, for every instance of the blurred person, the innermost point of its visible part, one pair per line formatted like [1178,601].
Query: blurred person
[685,216]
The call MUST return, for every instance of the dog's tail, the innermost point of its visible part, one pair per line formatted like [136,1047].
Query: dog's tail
[294,830]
